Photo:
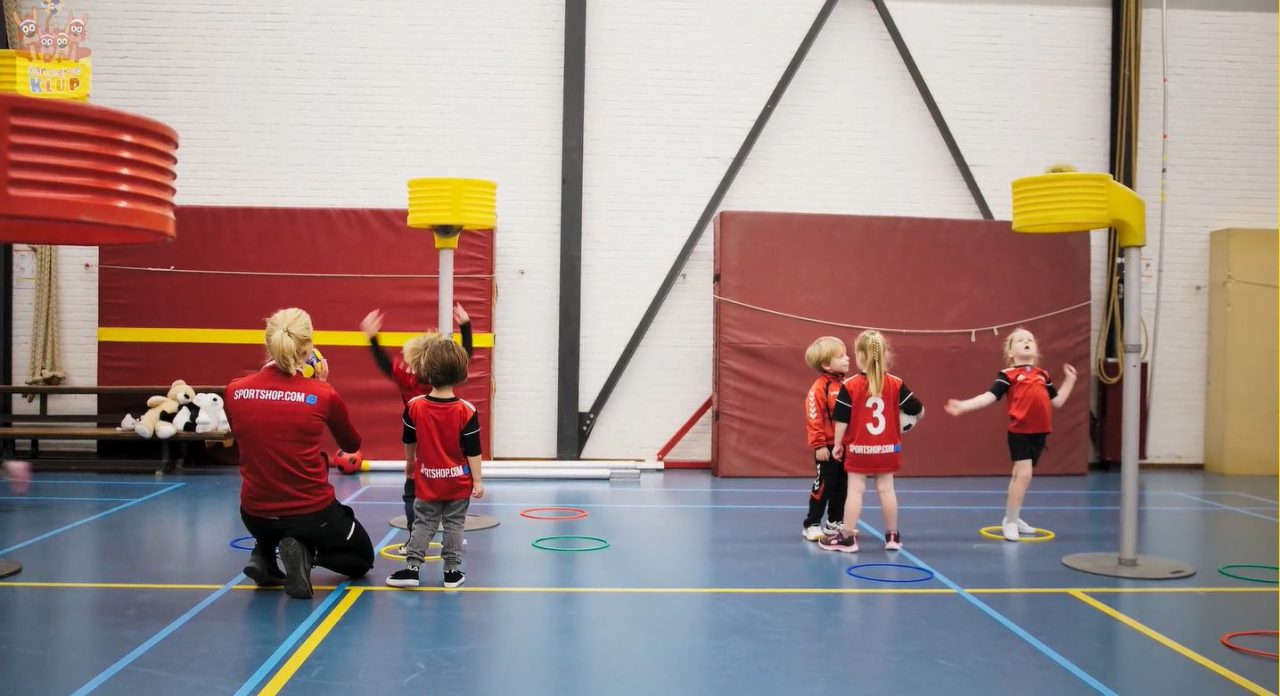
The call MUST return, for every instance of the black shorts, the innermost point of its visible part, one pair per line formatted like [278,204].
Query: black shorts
[1027,446]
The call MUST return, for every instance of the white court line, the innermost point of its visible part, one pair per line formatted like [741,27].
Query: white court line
[1229,507]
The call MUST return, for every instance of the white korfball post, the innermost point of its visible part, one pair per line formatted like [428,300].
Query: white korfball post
[447,207]
[1067,201]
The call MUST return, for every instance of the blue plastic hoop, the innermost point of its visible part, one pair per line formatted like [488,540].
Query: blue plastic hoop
[850,572]
[235,543]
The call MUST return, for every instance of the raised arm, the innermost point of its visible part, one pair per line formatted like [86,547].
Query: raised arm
[371,325]
[1068,383]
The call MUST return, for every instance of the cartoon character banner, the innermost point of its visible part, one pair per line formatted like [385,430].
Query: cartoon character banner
[49,57]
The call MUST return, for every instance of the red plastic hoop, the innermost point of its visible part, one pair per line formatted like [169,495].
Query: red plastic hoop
[76,174]
[579,513]
[1226,640]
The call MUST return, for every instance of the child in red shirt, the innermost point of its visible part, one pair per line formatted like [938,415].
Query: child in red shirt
[446,463]
[868,434]
[399,370]
[830,359]
[1031,395]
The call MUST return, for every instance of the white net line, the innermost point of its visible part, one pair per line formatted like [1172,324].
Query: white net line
[994,328]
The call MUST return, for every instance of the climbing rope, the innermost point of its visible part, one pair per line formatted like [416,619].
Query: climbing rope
[46,361]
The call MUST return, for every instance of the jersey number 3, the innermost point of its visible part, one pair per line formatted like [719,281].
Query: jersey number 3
[876,404]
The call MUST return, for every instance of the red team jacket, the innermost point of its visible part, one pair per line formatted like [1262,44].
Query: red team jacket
[407,380]
[819,405]
[1030,390]
[279,422]
[442,426]
[873,442]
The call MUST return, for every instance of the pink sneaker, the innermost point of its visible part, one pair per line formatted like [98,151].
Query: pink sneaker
[840,542]
[892,541]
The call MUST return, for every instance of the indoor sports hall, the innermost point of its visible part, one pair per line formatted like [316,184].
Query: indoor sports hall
[567,347]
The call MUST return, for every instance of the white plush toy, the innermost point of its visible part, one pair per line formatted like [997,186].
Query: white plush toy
[212,417]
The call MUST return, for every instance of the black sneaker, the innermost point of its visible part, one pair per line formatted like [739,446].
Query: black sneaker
[263,571]
[453,578]
[892,541]
[405,577]
[297,568]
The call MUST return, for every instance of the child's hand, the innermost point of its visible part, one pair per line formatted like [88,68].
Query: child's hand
[459,314]
[322,370]
[1069,371]
[372,323]
[477,489]
[953,407]
[822,454]
[837,452]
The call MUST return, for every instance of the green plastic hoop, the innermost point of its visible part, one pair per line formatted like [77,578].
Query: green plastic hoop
[1223,571]
[602,543]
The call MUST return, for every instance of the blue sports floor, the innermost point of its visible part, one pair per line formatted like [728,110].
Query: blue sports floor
[130,587]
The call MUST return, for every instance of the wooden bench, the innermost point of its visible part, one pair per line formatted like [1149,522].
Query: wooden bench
[101,426]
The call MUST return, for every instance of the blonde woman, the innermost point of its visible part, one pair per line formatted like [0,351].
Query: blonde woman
[280,418]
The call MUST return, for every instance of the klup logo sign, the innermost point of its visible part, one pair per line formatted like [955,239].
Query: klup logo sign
[51,58]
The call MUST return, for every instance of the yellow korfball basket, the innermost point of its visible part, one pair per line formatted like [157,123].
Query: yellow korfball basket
[1078,202]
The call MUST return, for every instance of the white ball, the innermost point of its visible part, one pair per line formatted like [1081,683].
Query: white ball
[906,422]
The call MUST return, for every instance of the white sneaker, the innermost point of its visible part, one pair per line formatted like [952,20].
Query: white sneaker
[1010,530]
[829,528]
[813,533]
[1023,527]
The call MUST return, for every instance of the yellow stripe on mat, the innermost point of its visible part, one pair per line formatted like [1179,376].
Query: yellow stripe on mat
[125,334]
[1171,644]
[311,643]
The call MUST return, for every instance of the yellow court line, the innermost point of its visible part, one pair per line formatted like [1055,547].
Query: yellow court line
[664,590]
[674,590]
[127,334]
[1172,644]
[311,643]
[112,585]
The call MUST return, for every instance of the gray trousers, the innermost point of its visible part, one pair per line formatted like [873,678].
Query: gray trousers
[430,515]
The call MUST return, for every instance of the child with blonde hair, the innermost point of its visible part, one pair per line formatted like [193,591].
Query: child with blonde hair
[1031,395]
[446,471]
[400,370]
[868,434]
[829,358]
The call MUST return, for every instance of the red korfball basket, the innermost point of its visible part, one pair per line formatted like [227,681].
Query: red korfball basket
[76,174]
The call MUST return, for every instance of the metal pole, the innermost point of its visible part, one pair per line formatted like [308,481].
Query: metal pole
[1127,563]
[446,293]
[1129,410]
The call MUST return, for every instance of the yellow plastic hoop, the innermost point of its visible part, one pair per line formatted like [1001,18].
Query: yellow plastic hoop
[397,557]
[988,533]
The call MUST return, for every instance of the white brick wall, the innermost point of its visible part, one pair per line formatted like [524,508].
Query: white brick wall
[301,104]
[1222,173]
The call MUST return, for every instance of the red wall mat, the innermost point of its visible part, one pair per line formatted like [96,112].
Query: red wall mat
[896,273]
[279,241]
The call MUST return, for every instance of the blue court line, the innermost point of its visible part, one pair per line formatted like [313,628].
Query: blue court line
[161,635]
[46,482]
[298,633]
[104,513]
[802,507]
[1001,618]
[54,497]
[1243,511]
[287,646]
[901,489]
[347,500]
